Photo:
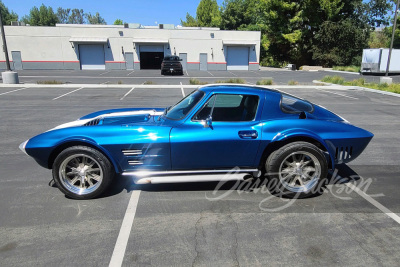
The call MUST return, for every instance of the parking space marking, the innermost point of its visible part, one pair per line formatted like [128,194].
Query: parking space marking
[14,90]
[337,93]
[232,73]
[106,82]
[210,73]
[68,93]
[122,98]
[183,92]
[104,73]
[130,73]
[123,236]
[378,205]
[187,73]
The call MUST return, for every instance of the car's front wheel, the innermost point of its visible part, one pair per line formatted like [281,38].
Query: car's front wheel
[82,172]
[297,170]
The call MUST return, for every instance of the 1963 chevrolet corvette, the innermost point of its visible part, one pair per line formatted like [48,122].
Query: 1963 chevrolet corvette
[212,130]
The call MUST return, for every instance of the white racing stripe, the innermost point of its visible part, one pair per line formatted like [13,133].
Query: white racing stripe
[68,93]
[122,241]
[14,90]
[378,205]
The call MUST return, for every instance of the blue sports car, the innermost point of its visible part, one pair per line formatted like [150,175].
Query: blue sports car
[214,129]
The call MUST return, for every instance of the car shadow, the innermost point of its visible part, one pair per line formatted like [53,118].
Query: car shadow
[341,175]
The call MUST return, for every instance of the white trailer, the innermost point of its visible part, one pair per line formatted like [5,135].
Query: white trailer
[375,61]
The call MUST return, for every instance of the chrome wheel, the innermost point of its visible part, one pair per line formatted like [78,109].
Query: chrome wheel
[80,174]
[299,171]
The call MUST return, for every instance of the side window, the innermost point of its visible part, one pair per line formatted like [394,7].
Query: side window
[231,107]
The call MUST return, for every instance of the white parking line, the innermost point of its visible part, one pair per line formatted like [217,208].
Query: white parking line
[336,93]
[67,93]
[378,205]
[105,82]
[187,74]
[130,73]
[211,73]
[105,73]
[122,98]
[122,241]
[183,92]
[232,73]
[14,90]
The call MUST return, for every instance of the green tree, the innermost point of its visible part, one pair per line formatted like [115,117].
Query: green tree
[379,39]
[6,15]
[238,13]
[77,16]
[208,13]
[63,15]
[340,43]
[118,22]
[95,19]
[43,16]
[190,21]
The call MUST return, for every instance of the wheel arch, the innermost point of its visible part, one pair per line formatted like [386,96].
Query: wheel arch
[69,143]
[278,142]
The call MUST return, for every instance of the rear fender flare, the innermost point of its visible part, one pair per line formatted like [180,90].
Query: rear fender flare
[299,133]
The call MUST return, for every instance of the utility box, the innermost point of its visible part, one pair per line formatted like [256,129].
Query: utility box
[375,60]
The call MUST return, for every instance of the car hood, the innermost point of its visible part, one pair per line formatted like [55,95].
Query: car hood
[114,116]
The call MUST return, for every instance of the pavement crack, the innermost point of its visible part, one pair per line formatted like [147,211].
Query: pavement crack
[235,245]
[199,230]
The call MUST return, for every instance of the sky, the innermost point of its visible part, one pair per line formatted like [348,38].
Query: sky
[145,12]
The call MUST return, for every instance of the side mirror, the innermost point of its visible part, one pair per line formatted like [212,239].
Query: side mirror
[208,123]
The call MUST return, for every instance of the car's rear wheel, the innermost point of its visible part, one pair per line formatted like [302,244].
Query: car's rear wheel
[297,170]
[82,172]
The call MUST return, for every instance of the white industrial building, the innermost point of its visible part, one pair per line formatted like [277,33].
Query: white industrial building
[129,47]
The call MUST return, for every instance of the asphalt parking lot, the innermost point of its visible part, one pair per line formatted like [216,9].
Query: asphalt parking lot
[137,77]
[353,224]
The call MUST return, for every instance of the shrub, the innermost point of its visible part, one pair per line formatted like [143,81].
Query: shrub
[233,80]
[292,82]
[265,82]
[49,82]
[196,82]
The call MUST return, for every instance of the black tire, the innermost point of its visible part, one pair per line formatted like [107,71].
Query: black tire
[78,167]
[297,170]
[162,72]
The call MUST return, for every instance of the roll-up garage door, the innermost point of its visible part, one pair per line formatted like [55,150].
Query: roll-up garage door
[151,56]
[92,56]
[238,58]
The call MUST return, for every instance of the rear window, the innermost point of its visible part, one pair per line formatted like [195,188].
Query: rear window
[291,104]
[171,58]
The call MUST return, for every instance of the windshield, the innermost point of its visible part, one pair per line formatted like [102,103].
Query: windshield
[183,107]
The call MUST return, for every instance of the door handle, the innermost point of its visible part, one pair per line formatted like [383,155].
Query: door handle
[252,134]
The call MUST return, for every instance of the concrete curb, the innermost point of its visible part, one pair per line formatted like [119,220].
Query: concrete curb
[359,88]
[159,86]
[340,71]
[99,86]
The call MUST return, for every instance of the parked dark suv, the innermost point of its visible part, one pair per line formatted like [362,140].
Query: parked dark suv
[171,64]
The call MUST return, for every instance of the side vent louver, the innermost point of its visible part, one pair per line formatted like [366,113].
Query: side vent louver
[135,162]
[92,122]
[132,152]
[343,153]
